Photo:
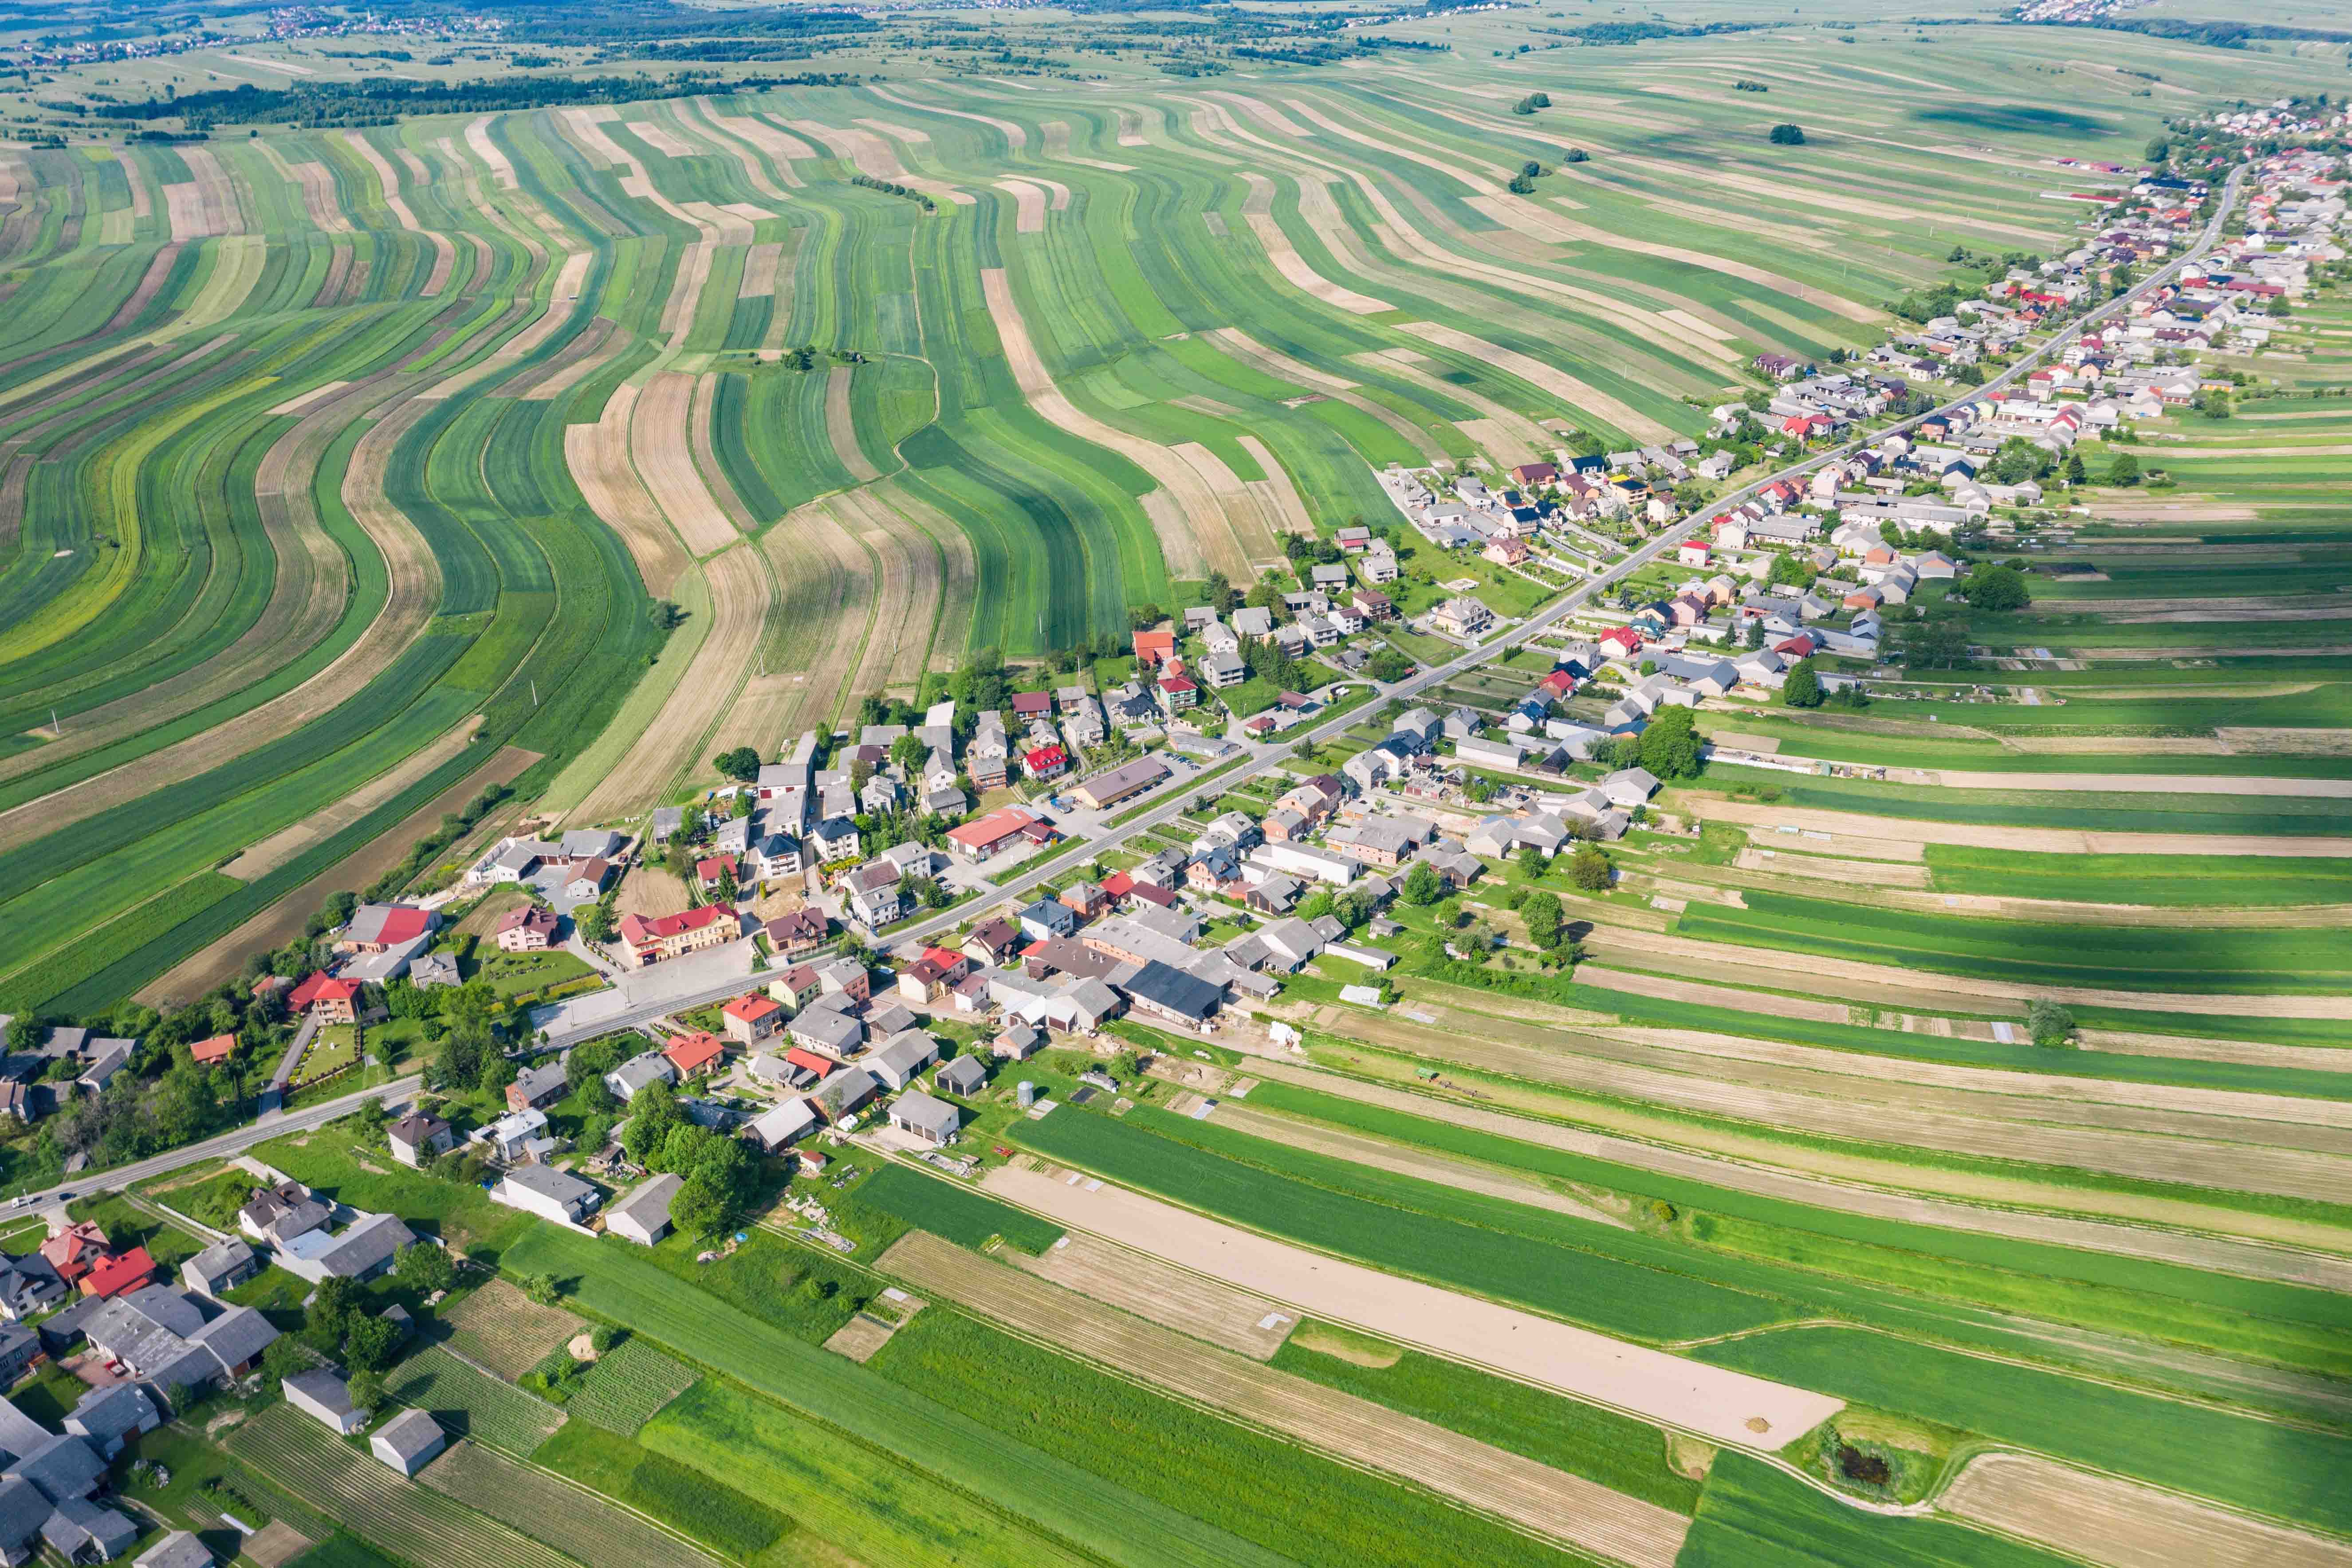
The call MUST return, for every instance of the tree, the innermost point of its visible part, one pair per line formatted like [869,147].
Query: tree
[699,1208]
[594,922]
[1531,861]
[1541,912]
[741,765]
[369,1343]
[541,1289]
[1589,868]
[910,751]
[1422,887]
[2052,1026]
[652,1111]
[1670,744]
[368,1121]
[1790,569]
[1788,135]
[2123,469]
[365,1387]
[2075,473]
[1997,588]
[423,1267]
[2157,150]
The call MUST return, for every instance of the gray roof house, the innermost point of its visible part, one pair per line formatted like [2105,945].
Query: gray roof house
[104,1417]
[843,1092]
[361,1251]
[181,1549]
[1629,786]
[962,1076]
[164,1338]
[638,1072]
[547,1192]
[27,1284]
[81,1531]
[408,1441]
[904,1056]
[62,1468]
[220,1266]
[932,1119]
[23,1512]
[643,1217]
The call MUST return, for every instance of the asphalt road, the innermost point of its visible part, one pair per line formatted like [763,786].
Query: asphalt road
[226,1143]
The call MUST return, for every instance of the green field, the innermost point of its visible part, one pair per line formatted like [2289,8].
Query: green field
[2181,881]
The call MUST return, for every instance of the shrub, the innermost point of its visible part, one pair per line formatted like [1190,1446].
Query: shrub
[1788,135]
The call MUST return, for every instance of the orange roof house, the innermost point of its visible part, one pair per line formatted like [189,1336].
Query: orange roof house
[219,1049]
[695,1053]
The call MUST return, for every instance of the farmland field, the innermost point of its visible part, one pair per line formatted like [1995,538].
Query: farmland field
[425,429]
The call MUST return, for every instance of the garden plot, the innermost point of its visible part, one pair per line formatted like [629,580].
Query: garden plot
[628,1386]
[2118,1523]
[506,1330]
[567,1516]
[1534,1497]
[375,1501]
[1745,1411]
[471,1402]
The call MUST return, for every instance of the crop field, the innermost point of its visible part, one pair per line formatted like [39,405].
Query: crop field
[954,1211]
[628,1386]
[577,1523]
[506,1330]
[472,1404]
[311,430]
[369,1498]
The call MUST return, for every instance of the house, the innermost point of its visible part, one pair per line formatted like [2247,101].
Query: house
[180,1548]
[417,1137]
[624,1082]
[643,1217]
[652,940]
[901,1058]
[277,1214]
[992,941]
[325,1398]
[408,1442]
[119,1275]
[1048,918]
[363,1250]
[1629,786]
[210,1053]
[922,1116]
[163,1337]
[1462,617]
[80,1531]
[1119,783]
[547,1192]
[796,932]
[698,1053]
[929,977]
[537,1088]
[845,977]
[220,1267]
[841,1094]
[107,1418]
[962,1076]
[20,1349]
[1154,647]
[1017,1042]
[788,1120]
[325,998]
[752,1018]
[1179,692]
[829,1030]
[28,1285]
[528,929]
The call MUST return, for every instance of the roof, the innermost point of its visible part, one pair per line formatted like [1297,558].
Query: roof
[786,1121]
[691,1053]
[919,1109]
[62,1468]
[181,1549]
[549,1183]
[647,1202]
[961,1076]
[417,1128]
[364,1245]
[408,1433]
[904,1053]
[118,1274]
[390,925]
[637,928]
[221,1257]
[219,1049]
[321,1388]
[1171,990]
[992,829]
[320,987]
[811,1060]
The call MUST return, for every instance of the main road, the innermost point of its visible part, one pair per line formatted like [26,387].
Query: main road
[1178,791]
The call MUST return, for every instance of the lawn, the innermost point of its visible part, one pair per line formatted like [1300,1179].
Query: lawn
[332,1161]
[512,973]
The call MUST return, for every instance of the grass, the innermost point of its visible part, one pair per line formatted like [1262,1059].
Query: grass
[957,1213]
[1288,1499]
[462,1214]
[2170,881]
[2263,1467]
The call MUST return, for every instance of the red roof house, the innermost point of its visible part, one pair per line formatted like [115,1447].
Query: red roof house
[219,1049]
[118,1276]
[77,1249]
[1047,763]
[1033,704]
[1151,648]
[810,1062]
[707,871]
[330,998]
[697,1052]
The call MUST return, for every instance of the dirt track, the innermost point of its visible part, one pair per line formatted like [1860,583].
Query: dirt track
[2118,1523]
[1551,1503]
[1728,1407]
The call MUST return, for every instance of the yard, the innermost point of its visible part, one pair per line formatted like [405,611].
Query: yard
[515,973]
